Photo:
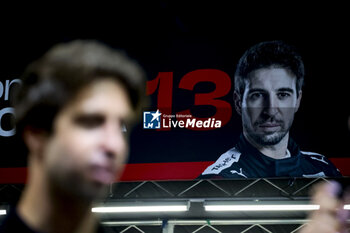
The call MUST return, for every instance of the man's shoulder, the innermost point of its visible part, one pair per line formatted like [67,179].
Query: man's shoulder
[13,223]
[322,162]
[224,161]
[316,157]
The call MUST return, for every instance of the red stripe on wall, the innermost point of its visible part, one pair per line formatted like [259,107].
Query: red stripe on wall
[163,171]
[343,164]
[153,171]
[13,175]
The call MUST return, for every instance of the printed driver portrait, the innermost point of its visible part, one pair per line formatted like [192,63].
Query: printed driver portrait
[267,94]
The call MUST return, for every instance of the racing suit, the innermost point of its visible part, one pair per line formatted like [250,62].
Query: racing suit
[245,161]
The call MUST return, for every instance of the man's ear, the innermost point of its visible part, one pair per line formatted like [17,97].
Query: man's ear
[35,140]
[298,100]
[238,102]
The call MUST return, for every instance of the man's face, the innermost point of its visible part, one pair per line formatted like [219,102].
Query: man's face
[268,105]
[88,146]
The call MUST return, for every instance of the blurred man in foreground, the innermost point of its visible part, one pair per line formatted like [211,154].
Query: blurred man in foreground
[73,112]
[331,216]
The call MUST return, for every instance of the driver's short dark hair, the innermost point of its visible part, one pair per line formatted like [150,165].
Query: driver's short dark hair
[269,54]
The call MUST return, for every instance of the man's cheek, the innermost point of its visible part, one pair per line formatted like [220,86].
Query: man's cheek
[120,165]
[81,139]
[252,118]
[288,114]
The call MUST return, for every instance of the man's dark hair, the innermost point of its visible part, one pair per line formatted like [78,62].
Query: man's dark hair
[49,83]
[269,54]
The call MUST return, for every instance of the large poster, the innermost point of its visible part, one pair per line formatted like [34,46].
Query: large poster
[190,64]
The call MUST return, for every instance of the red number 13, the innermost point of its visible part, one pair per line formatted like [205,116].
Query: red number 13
[164,83]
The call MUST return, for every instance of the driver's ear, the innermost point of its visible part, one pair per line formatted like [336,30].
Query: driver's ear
[237,99]
[35,140]
[298,100]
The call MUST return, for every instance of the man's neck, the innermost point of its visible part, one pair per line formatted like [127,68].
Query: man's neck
[47,212]
[277,151]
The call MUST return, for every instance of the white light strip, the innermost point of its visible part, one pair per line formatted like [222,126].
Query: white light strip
[260,207]
[346,207]
[3,212]
[135,209]
[204,222]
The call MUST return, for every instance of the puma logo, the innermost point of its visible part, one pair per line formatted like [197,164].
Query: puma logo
[239,173]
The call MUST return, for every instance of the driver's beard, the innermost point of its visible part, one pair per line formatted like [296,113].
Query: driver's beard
[268,139]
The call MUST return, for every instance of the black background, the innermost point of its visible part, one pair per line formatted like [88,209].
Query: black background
[182,37]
